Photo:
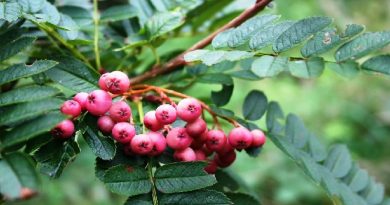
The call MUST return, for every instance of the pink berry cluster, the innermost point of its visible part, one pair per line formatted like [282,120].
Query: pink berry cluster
[193,142]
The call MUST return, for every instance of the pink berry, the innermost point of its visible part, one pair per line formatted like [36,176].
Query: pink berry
[207,151]
[159,143]
[226,149]
[120,111]
[105,124]
[71,107]
[211,167]
[178,138]
[151,122]
[199,140]
[226,160]
[185,155]
[240,138]
[115,82]
[99,102]
[102,81]
[216,140]
[258,138]
[196,127]
[64,129]
[166,114]
[141,144]
[123,132]
[82,99]
[189,109]
[200,155]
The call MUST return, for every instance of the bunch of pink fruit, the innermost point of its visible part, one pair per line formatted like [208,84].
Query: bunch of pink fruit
[194,142]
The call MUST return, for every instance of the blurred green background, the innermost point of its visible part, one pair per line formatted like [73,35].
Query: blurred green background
[352,111]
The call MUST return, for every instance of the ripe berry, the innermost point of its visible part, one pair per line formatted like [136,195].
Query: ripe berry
[185,155]
[120,111]
[240,138]
[226,160]
[211,167]
[178,138]
[166,114]
[123,132]
[159,143]
[199,140]
[196,127]
[105,124]
[258,138]
[102,81]
[71,107]
[226,149]
[216,140]
[151,122]
[200,155]
[115,82]
[141,144]
[82,99]
[189,109]
[206,150]
[64,129]
[99,102]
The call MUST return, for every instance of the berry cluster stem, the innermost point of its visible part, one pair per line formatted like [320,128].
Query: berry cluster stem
[144,88]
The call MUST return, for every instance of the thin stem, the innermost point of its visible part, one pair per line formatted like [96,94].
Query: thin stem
[179,61]
[143,88]
[140,113]
[156,56]
[96,33]
[51,32]
[151,178]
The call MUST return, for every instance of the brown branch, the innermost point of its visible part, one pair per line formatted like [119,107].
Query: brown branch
[179,60]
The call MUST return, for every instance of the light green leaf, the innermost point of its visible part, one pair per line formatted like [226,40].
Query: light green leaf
[72,28]
[214,78]
[357,179]
[30,129]
[54,156]
[12,48]
[244,32]
[255,105]
[244,74]
[375,193]
[209,57]
[339,161]
[17,174]
[352,30]
[203,197]
[362,45]
[28,110]
[127,180]
[380,64]
[21,70]
[268,35]
[48,13]
[31,6]
[10,11]
[348,69]
[25,94]
[310,68]
[80,15]
[269,66]
[274,118]
[317,150]
[299,32]
[163,23]
[321,43]
[118,13]
[183,177]
[221,40]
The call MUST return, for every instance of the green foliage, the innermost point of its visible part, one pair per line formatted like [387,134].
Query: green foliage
[331,170]
[183,177]
[196,197]
[18,175]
